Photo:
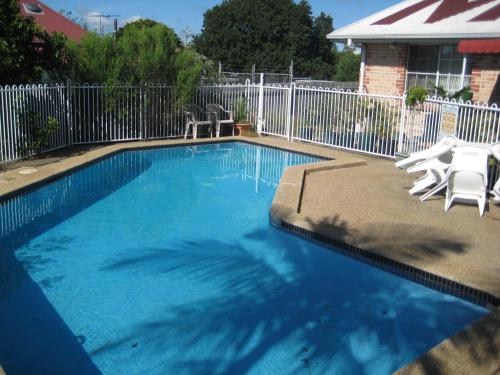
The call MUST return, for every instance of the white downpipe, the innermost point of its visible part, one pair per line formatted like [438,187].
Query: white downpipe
[260,113]
[362,69]
[464,69]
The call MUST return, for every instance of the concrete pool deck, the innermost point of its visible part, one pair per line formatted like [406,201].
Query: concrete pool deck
[363,202]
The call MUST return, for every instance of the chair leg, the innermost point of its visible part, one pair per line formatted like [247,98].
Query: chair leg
[217,130]
[482,205]
[423,184]
[434,190]
[448,200]
[195,131]
[186,131]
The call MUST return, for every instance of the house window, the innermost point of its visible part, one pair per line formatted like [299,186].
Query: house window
[431,66]
[424,59]
[450,61]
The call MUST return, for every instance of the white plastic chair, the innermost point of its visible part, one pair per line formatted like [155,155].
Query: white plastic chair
[446,142]
[468,177]
[435,166]
[495,150]
[191,113]
[216,111]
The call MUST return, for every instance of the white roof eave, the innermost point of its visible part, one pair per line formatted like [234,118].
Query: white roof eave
[414,27]
[411,37]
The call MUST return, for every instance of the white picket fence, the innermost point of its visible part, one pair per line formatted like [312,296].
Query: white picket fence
[374,124]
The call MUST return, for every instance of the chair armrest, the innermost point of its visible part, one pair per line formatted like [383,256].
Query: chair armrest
[230,113]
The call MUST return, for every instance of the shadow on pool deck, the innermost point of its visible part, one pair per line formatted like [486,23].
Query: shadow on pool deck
[379,215]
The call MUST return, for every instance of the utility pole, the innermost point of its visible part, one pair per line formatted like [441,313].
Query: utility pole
[187,32]
[220,70]
[291,72]
[101,16]
[253,73]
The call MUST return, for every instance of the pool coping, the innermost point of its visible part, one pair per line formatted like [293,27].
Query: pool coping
[58,169]
[284,212]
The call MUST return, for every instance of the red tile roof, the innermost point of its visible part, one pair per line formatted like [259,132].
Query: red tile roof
[53,21]
[479,46]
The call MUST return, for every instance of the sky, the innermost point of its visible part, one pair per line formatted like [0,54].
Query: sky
[180,14]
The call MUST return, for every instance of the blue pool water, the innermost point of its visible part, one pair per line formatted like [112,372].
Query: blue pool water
[163,261]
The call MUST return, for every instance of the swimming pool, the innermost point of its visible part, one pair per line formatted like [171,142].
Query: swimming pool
[163,261]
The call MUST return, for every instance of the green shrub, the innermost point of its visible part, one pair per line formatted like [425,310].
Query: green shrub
[37,138]
[416,95]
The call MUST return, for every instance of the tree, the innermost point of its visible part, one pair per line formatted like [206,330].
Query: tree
[26,50]
[267,33]
[147,53]
[347,67]
[190,66]
[144,52]
[143,23]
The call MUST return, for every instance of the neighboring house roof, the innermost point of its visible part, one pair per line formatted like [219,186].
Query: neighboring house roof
[421,20]
[51,20]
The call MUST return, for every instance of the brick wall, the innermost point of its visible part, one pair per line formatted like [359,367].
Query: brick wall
[385,69]
[485,70]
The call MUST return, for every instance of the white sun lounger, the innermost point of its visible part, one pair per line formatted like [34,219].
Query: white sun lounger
[417,157]
[468,177]
[436,166]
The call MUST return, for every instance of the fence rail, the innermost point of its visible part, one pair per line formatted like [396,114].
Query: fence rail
[373,124]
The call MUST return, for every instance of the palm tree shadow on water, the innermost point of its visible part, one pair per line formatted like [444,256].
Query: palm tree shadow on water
[284,305]
[34,337]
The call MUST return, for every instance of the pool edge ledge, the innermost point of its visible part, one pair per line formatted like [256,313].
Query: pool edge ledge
[17,184]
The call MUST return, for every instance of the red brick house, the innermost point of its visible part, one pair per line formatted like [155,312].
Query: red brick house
[446,43]
[51,20]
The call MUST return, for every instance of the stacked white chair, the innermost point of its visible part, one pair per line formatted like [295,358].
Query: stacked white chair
[417,157]
[468,177]
[495,150]
[434,160]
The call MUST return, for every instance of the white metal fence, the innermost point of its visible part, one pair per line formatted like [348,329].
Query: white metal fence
[374,124]
[25,108]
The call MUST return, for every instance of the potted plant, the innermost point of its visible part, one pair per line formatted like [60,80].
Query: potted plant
[241,121]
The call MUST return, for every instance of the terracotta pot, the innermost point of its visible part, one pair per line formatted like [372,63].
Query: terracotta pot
[244,128]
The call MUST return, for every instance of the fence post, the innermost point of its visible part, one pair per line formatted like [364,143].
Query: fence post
[142,110]
[69,112]
[260,113]
[289,118]
[402,125]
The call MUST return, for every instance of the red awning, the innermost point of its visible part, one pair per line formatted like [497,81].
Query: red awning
[479,46]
